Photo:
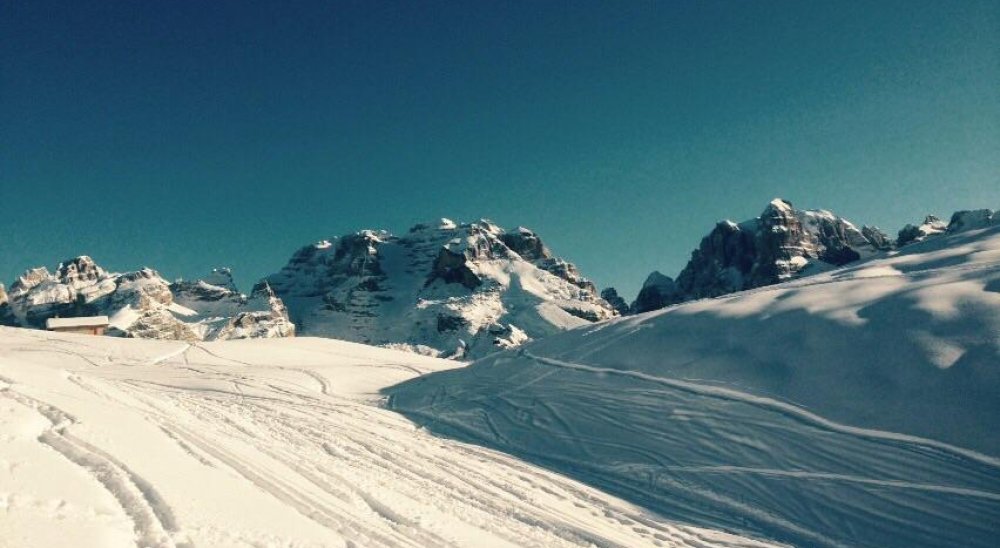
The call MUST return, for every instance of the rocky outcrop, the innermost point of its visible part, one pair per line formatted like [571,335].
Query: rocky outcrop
[657,292]
[615,300]
[142,304]
[973,219]
[457,290]
[932,226]
[784,243]
[263,315]
[6,315]
[877,238]
[780,244]
[968,219]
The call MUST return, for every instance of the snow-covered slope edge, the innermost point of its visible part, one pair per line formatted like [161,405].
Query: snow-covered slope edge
[855,407]
[447,289]
[121,442]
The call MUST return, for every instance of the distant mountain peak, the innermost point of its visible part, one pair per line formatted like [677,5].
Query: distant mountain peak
[141,303]
[784,243]
[461,289]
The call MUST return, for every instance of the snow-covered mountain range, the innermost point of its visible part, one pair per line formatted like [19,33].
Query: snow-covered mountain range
[459,290]
[781,244]
[142,304]
[446,289]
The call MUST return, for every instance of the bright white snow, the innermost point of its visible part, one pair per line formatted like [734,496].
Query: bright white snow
[119,442]
[856,407]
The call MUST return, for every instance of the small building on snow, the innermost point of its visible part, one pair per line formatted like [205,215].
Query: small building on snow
[89,325]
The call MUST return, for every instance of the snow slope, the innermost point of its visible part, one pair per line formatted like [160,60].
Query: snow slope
[855,407]
[277,442]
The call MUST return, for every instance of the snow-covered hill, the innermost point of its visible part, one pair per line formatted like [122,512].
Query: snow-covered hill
[456,290]
[855,407]
[281,442]
[142,304]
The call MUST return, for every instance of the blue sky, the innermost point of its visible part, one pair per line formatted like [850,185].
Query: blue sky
[186,135]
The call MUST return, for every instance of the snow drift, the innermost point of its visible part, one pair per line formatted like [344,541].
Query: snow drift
[279,442]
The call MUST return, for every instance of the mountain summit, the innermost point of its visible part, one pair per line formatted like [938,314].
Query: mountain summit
[443,288]
[144,305]
[784,243]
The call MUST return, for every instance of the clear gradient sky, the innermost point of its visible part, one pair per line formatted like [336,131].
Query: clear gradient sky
[184,135]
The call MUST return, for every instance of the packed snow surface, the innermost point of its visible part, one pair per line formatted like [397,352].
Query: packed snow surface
[857,407]
[278,442]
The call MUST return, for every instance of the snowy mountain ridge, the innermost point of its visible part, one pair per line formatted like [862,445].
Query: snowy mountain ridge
[142,304]
[444,289]
[785,243]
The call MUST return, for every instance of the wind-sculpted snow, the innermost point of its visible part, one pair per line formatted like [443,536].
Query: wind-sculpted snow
[279,442]
[853,408]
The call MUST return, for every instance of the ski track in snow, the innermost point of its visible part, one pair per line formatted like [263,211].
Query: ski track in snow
[718,457]
[186,439]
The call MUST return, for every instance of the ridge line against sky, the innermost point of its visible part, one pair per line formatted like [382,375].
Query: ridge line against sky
[185,136]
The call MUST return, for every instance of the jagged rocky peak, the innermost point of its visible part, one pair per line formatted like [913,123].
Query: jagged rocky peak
[973,219]
[779,244]
[967,219]
[615,300]
[879,239]
[79,271]
[264,315]
[526,243]
[31,278]
[783,242]
[932,226]
[141,303]
[221,277]
[657,292]
[213,295]
[455,289]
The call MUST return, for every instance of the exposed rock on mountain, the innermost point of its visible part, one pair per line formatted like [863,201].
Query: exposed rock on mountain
[784,243]
[263,315]
[657,291]
[6,315]
[443,288]
[973,219]
[615,300]
[932,226]
[877,237]
[779,244]
[142,304]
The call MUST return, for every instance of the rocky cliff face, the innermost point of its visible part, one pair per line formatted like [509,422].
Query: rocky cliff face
[932,226]
[784,243]
[615,300]
[458,290]
[141,303]
[657,291]
[6,315]
[781,243]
